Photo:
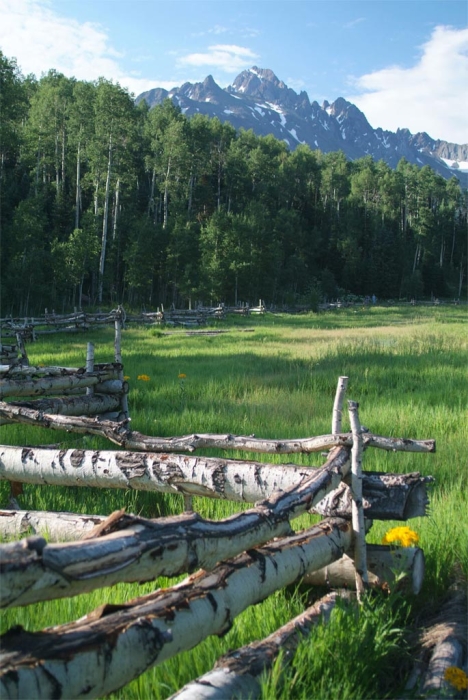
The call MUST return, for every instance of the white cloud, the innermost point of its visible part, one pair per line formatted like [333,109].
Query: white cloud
[225,57]
[431,96]
[40,39]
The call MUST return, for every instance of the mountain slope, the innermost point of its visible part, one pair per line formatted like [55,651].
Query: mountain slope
[258,100]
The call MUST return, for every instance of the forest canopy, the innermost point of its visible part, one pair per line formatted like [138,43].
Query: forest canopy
[104,201]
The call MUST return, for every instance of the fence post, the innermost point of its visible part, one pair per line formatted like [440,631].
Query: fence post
[357,510]
[119,324]
[338,405]
[90,366]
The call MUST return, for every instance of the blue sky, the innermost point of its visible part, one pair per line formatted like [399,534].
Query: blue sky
[403,62]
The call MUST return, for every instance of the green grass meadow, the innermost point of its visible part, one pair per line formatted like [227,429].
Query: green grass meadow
[408,370]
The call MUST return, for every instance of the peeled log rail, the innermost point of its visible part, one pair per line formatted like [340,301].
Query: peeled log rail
[111,646]
[386,497]
[57,527]
[122,435]
[387,567]
[93,404]
[237,673]
[44,386]
[129,548]
[110,369]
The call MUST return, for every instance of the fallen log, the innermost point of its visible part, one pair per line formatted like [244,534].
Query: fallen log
[130,548]
[114,644]
[122,435]
[237,673]
[387,567]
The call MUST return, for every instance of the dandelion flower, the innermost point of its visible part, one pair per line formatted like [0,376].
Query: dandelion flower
[126,378]
[456,677]
[402,536]
[182,376]
[143,377]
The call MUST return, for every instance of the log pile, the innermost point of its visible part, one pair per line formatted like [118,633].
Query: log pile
[231,564]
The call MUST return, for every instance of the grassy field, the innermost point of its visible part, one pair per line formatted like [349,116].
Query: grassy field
[407,368]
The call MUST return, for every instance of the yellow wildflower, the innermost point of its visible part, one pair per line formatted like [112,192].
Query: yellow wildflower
[456,677]
[126,378]
[182,376]
[143,377]
[402,536]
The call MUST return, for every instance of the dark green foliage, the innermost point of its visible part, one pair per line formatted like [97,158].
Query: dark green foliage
[179,211]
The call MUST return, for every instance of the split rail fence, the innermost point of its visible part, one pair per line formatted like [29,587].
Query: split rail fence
[232,563]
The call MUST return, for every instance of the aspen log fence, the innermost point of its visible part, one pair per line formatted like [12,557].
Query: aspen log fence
[232,563]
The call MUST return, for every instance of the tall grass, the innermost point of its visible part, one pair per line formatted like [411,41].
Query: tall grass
[407,369]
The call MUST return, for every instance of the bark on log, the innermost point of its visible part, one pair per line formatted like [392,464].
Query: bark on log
[237,673]
[129,548]
[387,567]
[73,405]
[45,386]
[385,497]
[56,527]
[106,649]
[338,405]
[448,652]
[104,370]
[125,437]
[357,510]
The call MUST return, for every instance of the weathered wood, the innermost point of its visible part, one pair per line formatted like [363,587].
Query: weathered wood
[129,548]
[125,437]
[51,385]
[448,652]
[237,673]
[56,527]
[73,405]
[106,649]
[214,477]
[387,567]
[357,511]
[338,405]
[384,497]
[107,370]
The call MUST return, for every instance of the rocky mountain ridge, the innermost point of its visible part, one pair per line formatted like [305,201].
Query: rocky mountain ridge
[258,100]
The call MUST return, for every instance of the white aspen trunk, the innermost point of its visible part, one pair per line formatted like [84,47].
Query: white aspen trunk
[190,443]
[116,209]
[51,385]
[166,195]
[338,405]
[74,405]
[357,511]
[109,647]
[212,477]
[237,673]
[56,527]
[129,548]
[387,568]
[78,191]
[105,220]
[378,499]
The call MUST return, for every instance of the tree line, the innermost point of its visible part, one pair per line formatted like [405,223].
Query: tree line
[103,200]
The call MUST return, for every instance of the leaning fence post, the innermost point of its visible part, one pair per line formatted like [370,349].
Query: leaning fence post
[357,510]
[338,405]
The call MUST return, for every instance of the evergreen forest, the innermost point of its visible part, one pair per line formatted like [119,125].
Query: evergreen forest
[103,201]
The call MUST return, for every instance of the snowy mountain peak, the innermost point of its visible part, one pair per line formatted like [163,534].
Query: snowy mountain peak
[258,100]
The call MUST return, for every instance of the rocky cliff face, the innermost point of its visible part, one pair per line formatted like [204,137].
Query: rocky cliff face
[258,100]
